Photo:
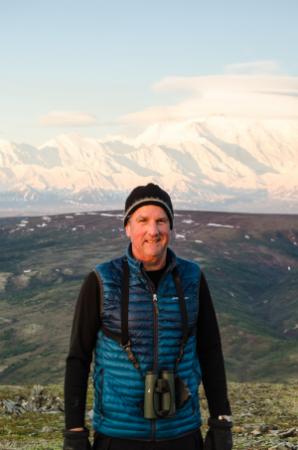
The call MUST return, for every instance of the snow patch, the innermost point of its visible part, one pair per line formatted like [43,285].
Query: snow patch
[211,224]
[188,221]
[111,215]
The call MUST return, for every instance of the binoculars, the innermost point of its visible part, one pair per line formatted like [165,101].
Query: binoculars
[159,395]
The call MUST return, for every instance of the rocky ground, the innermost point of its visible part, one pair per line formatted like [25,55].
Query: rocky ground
[265,416]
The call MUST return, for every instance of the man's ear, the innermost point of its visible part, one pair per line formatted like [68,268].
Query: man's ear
[127,229]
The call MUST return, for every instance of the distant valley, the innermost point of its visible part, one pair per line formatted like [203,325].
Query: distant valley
[250,261]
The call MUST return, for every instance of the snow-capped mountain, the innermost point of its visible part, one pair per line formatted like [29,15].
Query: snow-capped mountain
[218,163]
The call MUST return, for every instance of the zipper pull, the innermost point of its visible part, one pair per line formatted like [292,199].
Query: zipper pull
[155,303]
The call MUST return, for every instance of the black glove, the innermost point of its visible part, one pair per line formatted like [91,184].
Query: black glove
[76,440]
[219,435]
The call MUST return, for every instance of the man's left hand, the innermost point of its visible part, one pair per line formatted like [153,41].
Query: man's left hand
[76,440]
[219,435]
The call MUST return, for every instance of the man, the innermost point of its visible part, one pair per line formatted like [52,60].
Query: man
[148,318]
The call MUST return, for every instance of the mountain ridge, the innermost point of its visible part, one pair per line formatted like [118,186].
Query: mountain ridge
[218,163]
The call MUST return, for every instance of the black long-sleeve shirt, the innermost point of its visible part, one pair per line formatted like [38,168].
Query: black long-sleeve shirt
[85,327]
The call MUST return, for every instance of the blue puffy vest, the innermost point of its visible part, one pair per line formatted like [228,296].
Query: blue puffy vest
[155,333]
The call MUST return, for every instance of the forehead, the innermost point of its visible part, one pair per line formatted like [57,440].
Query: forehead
[149,211]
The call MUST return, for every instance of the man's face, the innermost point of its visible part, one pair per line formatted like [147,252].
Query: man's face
[148,228]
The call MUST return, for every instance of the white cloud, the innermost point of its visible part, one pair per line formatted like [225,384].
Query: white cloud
[232,83]
[67,118]
[254,68]
[251,96]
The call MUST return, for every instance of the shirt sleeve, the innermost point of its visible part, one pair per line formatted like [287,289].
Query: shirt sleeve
[86,323]
[210,355]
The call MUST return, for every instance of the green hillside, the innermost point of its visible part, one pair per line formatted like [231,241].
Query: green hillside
[250,261]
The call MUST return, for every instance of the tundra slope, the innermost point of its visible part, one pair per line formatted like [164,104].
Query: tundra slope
[250,261]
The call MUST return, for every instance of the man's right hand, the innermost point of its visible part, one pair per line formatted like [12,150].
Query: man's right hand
[76,440]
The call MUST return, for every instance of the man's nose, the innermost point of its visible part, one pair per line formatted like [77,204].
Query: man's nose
[153,228]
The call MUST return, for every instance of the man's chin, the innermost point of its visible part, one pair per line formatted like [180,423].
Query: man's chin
[153,257]
[154,250]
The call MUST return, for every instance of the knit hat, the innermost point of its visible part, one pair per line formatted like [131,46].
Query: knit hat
[151,194]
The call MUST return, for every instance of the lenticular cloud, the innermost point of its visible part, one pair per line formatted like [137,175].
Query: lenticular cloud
[231,95]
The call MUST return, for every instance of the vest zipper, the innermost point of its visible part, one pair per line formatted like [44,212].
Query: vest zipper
[155,344]
[155,339]
[155,322]
[155,303]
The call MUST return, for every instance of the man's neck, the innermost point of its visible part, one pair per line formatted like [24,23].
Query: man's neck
[156,275]
[154,266]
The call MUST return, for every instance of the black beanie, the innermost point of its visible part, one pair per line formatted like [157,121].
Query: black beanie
[151,194]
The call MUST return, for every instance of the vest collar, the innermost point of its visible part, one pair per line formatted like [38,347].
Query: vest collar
[138,266]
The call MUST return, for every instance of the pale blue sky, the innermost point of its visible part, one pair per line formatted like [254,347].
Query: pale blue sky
[101,58]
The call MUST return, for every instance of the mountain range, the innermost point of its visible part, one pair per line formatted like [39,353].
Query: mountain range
[218,164]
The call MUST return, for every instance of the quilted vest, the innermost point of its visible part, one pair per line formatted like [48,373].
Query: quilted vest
[155,332]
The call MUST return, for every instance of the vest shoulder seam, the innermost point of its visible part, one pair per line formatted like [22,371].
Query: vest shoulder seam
[101,292]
